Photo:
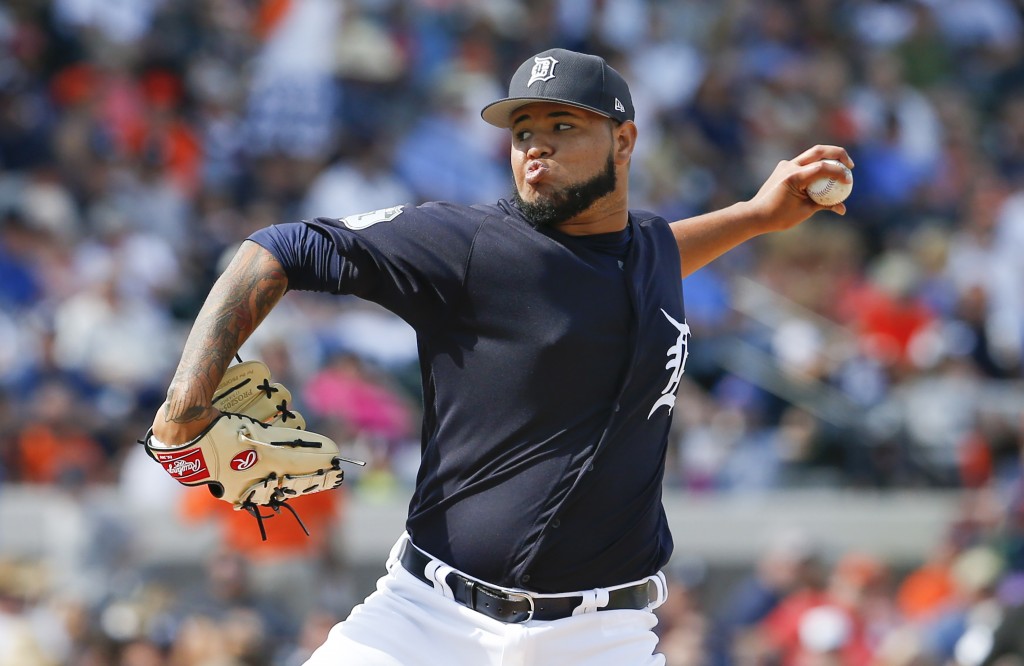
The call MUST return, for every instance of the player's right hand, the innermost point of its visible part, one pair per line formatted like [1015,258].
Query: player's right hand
[782,199]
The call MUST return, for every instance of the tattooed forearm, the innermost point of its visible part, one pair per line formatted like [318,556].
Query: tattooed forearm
[249,288]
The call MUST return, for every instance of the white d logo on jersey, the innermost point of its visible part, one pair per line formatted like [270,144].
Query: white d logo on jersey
[677,354]
[363,220]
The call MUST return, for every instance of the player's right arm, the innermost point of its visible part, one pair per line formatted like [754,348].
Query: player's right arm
[781,203]
[241,298]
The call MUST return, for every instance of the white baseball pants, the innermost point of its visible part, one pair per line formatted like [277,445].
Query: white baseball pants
[407,623]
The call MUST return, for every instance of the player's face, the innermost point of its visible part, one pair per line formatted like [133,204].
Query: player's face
[563,161]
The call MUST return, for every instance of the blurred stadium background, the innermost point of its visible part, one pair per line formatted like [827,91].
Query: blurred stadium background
[845,478]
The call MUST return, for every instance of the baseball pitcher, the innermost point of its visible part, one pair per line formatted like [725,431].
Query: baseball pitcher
[552,339]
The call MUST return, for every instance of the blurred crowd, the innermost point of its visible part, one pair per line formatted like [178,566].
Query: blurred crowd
[141,141]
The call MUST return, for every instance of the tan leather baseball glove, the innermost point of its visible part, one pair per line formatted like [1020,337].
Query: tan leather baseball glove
[256,453]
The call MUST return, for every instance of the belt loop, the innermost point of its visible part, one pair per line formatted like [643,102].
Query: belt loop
[662,586]
[437,572]
[592,600]
[396,550]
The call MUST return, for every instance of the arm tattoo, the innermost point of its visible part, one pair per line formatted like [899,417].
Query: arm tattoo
[249,288]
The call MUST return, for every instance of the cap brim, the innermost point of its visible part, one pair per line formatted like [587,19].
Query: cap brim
[499,113]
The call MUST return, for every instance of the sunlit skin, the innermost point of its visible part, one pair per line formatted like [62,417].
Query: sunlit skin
[780,204]
[556,145]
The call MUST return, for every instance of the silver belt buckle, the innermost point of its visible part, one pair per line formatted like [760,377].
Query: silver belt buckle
[509,595]
[533,606]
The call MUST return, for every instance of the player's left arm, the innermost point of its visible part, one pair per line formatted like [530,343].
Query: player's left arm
[781,203]
[239,300]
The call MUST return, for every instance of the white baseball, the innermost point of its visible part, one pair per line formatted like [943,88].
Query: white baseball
[829,191]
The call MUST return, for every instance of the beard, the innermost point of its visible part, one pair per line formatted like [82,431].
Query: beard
[570,201]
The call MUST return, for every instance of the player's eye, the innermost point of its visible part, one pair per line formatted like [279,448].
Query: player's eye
[561,127]
[523,135]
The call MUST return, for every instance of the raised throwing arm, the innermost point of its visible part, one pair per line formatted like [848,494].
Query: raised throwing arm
[780,204]
[243,295]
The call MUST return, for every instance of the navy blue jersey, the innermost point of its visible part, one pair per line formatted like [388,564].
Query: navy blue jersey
[550,365]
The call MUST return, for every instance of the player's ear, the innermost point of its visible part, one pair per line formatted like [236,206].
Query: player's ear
[624,141]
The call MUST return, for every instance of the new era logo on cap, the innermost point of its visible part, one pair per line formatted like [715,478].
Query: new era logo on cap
[557,75]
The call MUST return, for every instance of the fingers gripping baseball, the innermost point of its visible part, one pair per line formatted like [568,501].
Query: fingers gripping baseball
[785,200]
[823,152]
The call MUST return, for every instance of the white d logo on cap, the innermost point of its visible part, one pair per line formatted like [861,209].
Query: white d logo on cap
[543,69]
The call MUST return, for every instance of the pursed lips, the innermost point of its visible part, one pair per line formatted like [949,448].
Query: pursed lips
[536,170]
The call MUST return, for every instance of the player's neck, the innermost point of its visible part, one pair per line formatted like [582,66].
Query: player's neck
[606,215]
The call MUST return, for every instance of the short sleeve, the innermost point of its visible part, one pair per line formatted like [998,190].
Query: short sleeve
[411,260]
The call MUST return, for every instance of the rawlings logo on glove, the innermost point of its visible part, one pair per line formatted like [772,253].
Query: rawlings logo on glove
[244,460]
[187,468]
[254,454]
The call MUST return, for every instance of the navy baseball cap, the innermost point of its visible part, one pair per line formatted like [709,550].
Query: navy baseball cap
[567,77]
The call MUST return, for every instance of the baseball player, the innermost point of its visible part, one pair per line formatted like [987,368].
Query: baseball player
[552,339]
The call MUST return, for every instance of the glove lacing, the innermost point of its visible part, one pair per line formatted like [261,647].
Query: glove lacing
[275,504]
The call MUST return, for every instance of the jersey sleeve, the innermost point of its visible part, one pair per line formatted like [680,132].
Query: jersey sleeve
[411,260]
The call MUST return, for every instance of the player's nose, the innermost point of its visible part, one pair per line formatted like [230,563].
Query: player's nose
[539,148]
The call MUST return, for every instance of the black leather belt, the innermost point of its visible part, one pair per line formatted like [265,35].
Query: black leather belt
[512,607]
